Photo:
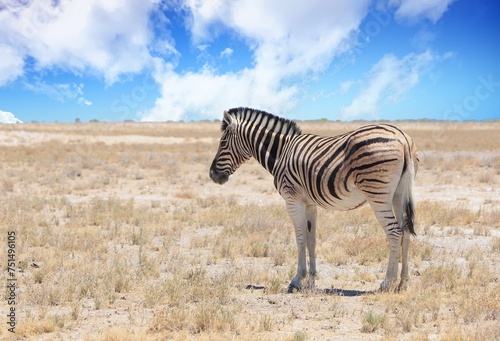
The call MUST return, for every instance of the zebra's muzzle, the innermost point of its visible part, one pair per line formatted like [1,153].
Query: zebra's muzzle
[218,177]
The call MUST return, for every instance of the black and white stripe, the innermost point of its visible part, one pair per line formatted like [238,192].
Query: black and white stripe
[374,164]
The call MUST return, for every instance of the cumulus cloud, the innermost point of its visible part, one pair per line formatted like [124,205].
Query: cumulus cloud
[8,117]
[387,81]
[287,39]
[294,35]
[107,37]
[11,64]
[414,10]
[206,93]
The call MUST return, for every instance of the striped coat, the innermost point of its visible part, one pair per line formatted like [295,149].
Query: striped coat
[374,164]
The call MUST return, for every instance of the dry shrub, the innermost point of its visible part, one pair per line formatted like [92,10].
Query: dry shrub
[210,317]
[436,213]
[121,334]
[420,251]
[253,231]
[170,319]
[372,321]
[195,302]
[349,248]
[490,217]
[495,245]
[460,163]
[488,331]
[479,305]
[347,237]
[266,323]
[366,250]
[276,284]
[442,277]
[34,327]
[186,193]
[337,307]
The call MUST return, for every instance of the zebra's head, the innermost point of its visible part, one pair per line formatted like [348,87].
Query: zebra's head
[232,151]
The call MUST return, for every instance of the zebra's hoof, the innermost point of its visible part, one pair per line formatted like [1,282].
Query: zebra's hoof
[388,286]
[385,286]
[403,286]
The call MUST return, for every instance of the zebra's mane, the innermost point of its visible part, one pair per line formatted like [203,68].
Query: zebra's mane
[277,124]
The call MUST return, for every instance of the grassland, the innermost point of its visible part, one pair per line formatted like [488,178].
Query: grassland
[121,235]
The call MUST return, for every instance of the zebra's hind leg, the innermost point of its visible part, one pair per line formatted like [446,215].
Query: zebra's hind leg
[394,234]
[402,204]
[405,240]
[405,275]
[311,214]
[297,212]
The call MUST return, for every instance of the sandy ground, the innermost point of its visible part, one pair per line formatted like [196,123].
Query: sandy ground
[316,315]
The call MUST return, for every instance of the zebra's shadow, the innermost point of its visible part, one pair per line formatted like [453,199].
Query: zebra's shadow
[346,292]
[328,291]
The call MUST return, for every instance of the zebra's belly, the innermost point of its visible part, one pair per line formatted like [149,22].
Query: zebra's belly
[346,202]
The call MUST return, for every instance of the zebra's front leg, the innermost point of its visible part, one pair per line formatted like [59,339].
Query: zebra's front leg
[311,214]
[297,212]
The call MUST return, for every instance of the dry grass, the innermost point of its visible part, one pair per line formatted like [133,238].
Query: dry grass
[122,236]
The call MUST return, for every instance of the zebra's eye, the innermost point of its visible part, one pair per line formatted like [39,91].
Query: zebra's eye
[223,143]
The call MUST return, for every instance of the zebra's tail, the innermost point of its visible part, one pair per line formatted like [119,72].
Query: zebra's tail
[410,215]
[405,189]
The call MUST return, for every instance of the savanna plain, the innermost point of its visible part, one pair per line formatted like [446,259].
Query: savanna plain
[121,235]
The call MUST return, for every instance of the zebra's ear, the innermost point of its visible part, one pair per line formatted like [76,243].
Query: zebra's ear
[230,120]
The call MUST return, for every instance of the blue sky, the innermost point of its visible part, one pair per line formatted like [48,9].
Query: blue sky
[175,60]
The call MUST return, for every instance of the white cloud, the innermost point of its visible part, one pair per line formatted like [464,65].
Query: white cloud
[61,92]
[423,39]
[449,55]
[414,10]
[11,64]
[83,101]
[226,53]
[8,117]
[296,36]
[206,93]
[345,87]
[203,47]
[287,39]
[107,37]
[387,81]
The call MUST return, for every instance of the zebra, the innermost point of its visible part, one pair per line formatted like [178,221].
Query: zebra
[374,164]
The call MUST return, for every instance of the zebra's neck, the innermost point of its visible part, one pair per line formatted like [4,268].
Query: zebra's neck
[264,134]
[266,145]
